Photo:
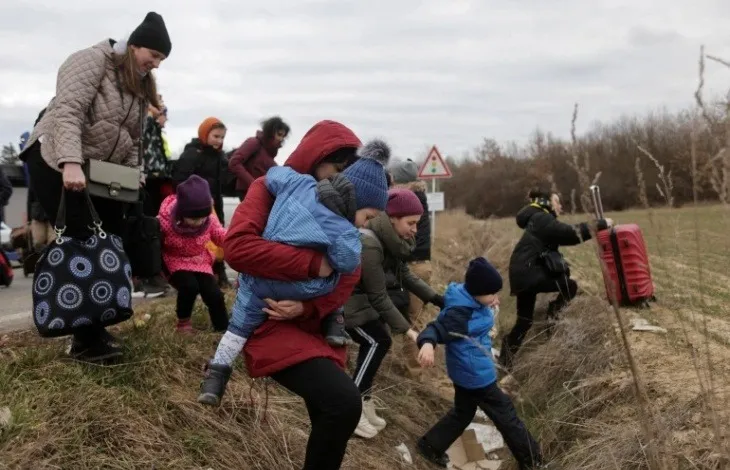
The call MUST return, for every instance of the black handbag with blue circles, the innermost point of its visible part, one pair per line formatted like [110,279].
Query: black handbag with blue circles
[81,283]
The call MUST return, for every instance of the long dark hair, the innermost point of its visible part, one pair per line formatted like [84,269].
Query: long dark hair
[273,125]
[141,87]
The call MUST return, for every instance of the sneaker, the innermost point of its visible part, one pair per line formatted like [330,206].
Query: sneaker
[100,353]
[334,330]
[214,384]
[138,292]
[368,409]
[432,455]
[364,429]
[155,287]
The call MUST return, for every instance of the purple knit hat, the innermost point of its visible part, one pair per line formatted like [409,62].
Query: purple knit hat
[402,203]
[193,198]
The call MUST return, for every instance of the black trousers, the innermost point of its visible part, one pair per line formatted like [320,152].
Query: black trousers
[566,288]
[499,409]
[188,285]
[375,342]
[46,184]
[334,407]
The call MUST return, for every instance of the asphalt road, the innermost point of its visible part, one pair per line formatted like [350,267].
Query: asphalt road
[15,301]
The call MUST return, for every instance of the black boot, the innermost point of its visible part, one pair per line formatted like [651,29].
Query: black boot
[333,327]
[98,352]
[506,354]
[431,454]
[214,384]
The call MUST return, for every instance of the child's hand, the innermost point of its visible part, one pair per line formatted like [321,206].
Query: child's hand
[325,270]
[413,334]
[425,356]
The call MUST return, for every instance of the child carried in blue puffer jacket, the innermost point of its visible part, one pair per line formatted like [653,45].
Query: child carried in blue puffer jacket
[324,215]
[463,326]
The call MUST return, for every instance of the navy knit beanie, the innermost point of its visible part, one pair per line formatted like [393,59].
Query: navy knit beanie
[482,278]
[367,174]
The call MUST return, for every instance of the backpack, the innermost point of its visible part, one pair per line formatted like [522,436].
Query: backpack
[228,184]
[229,180]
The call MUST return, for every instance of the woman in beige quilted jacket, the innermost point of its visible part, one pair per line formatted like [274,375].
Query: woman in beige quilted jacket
[102,95]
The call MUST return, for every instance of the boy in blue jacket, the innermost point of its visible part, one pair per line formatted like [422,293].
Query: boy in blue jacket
[463,326]
[324,215]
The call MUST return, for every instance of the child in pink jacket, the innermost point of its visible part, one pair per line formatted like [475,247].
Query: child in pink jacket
[187,225]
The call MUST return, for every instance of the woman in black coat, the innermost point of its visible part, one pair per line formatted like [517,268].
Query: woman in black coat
[537,266]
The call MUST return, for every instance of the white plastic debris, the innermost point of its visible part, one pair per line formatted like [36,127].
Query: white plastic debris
[405,454]
[488,436]
[640,324]
[6,417]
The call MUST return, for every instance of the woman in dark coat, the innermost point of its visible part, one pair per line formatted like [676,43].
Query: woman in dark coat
[535,264]
[256,154]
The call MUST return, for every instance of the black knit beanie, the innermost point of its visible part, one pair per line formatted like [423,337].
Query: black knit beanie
[482,278]
[152,34]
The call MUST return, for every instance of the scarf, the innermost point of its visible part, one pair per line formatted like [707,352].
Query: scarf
[337,194]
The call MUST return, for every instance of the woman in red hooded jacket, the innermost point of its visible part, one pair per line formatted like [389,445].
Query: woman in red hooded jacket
[289,347]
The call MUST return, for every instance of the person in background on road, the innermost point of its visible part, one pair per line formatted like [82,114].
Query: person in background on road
[256,154]
[158,182]
[463,326]
[405,175]
[158,185]
[290,347]
[110,81]
[41,230]
[537,266]
[6,190]
[187,225]
[386,242]
[204,157]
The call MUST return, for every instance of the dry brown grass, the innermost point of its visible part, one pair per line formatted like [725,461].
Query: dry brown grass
[575,388]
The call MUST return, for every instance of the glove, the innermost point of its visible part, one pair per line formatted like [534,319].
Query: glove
[438,300]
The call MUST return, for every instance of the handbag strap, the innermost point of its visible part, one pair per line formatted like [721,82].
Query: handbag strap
[60,226]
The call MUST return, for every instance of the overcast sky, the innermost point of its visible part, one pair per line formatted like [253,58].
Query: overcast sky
[445,72]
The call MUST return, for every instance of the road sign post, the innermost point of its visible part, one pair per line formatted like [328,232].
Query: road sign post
[433,168]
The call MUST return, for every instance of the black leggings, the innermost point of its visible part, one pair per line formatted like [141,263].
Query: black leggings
[188,285]
[46,184]
[375,342]
[334,407]
[500,410]
[566,288]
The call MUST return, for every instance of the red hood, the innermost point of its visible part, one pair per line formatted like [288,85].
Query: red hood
[321,140]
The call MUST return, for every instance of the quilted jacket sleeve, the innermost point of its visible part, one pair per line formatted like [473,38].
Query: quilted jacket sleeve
[76,86]
[134,155]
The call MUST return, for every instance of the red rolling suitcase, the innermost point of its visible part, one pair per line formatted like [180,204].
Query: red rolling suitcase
[624,253]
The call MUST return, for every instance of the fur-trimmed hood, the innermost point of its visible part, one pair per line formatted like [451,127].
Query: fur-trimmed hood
[415,186]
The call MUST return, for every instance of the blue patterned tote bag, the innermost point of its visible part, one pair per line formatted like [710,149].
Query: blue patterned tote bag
[81,283]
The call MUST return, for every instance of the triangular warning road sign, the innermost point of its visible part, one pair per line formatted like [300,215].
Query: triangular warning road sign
[434,166]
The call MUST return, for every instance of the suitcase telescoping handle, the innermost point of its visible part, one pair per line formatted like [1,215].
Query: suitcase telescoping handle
[597,203]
